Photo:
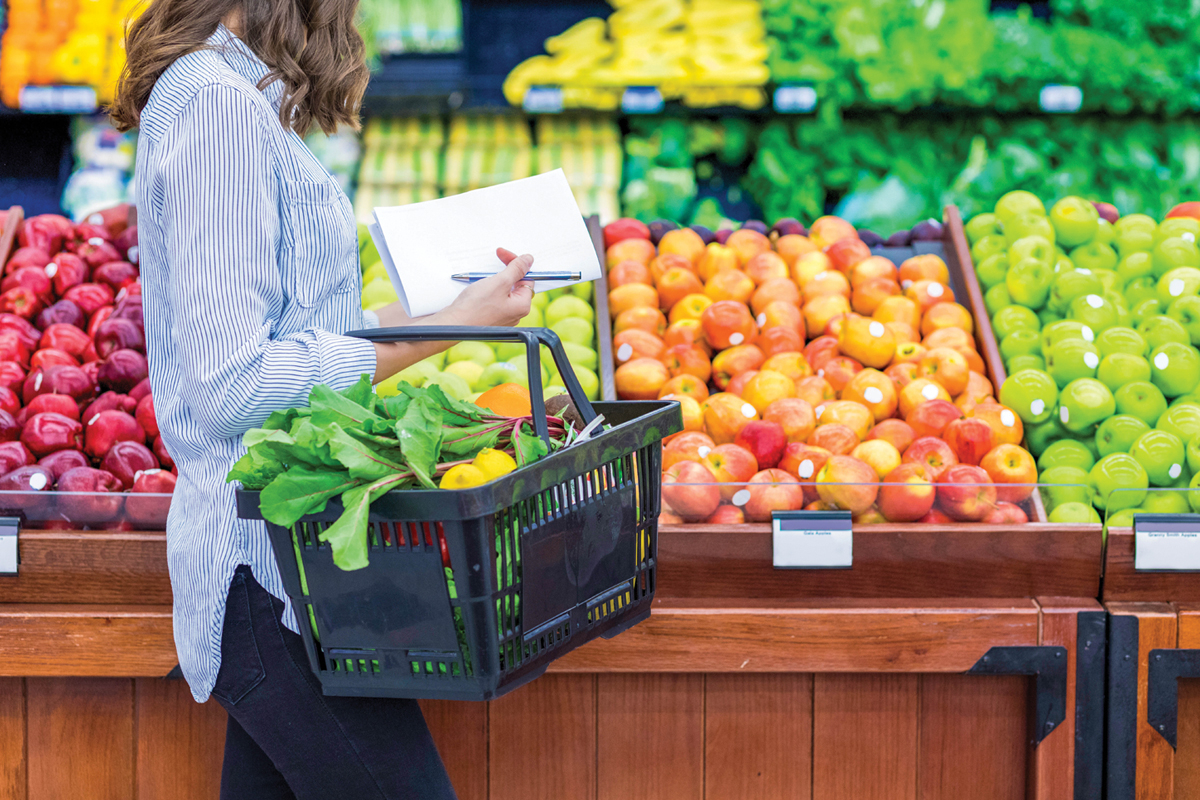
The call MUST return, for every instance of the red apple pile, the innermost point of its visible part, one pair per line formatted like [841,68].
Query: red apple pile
[810,374]
[77,425]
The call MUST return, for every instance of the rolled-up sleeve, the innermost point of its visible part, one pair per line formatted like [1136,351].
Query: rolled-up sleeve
[224,281]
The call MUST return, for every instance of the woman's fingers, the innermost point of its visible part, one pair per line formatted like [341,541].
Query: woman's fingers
[505,256]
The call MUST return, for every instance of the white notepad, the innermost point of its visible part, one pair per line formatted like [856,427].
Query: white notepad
[423,244]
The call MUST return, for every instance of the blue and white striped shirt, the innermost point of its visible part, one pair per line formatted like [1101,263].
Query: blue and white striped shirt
[249,259]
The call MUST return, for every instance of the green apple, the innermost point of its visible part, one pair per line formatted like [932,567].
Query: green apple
[438,360]
[1141,399]
[453,385]
[1071,359]
[1095,255]
[1075,221]
[1118,481]
[1063,264]
[414,375]
[1135,222]
[1135,265]
[1083,403]
[1182,227]
[1124,317]
[1095,311]
[1193,454]
[1040,436]
[1121,519]
[504,372]
[541,300]
[1109,280]
[1120,340]
[568,306]
[1017,202]
[1028,282]
[1161,329]
[479,352]
[1186,311]
[1185,399]
[1131,242]
[1065,484]
[554,294]
[1031,393]
[992,270]
[1038,248]
[1047,316]
[469,371]
[1145,309]
[1029,224]
[1174,252]
[1014,318]
[1165,501]
[506,351]
[1118,369]
[1021,342]
[589,382]
[1069,285]
[988,246]
[574,329]
[1194,496]
[1056,332]
[581,356]
[981,225]
[1074,514]
[1175,368]
[1105,232]
[1182,420]
[1118,433]
[519,363]
[584,290]
[997,298]
[1066,453]
[1161,454]
[1176,283]
[1030,361]
[553,390]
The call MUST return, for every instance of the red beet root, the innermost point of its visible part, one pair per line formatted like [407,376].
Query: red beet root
[60,461]
[160,451]
[66,271]
[95,499]
[91,297]
[123,370]
[117,333]
[106,429]
[126,460]
[49,432]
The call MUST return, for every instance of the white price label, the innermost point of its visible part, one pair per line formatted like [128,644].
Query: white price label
[8,546]
[795,99]
[1166,542]
[1059,99]
[58,99]
[543,100]
[642,100]
[812,540]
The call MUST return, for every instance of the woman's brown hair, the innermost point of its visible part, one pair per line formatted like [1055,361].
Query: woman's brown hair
[312,46]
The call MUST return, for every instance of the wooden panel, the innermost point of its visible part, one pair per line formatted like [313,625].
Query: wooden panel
[1122,583]
[802,636]
[90,567]
[1157,628]
[180,743]
[758,737]
[705,561]
[865,737]
[542,740]
[13,781]
[94,641]
[973,730]
[650,737]
[80,738]
[1187,738]
[460,731]
[8,234]
[1189,625]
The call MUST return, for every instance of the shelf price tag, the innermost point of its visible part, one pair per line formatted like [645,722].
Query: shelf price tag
[543,100]
[1164,542]
[812,540]
[1059,99]
[642,100]
[58,100]
[10,528]
[795,99]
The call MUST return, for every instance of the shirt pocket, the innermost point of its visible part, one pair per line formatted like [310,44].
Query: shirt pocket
[324,248]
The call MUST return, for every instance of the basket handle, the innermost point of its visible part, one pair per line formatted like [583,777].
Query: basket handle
[531,337]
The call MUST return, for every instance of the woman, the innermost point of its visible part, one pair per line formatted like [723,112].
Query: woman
[250,277]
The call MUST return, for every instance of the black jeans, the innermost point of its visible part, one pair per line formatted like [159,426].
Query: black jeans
[287,740]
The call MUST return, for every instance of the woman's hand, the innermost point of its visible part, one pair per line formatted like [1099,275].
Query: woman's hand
[503,299]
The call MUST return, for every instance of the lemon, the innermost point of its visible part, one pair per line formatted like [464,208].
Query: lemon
[469,371]
[463,476]
[494,463]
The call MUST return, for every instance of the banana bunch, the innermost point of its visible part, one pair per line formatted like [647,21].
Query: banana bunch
[728,43]
[572,54]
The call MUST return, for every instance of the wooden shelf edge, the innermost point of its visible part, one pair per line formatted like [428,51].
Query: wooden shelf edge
[86,641]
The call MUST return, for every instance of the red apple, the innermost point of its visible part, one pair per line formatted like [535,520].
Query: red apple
[1011,464]
[126,460]
[907,493]
[49,357]
[14,455]
[90,496]
[10,429]
[46,433]
[803,462]
[935,517]
[896,432]
[145,416]
[726,515]
[106,429]
[66,271]
[847,483]
[12,375]
[931,417]
[730,465]
[58,462]
[1006,514]
[690,490]
[772,490]
[140,391]
[764,440]
[933,453]
[147,506]
[67,338]
[160,452]
[123,370]
[966,493]
[32,485]
[970,439]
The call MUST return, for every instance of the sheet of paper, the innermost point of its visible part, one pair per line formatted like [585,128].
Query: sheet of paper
[388,264]
[428,242]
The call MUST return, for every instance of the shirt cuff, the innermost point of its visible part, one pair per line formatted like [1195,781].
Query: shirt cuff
[344,359]
[370,320]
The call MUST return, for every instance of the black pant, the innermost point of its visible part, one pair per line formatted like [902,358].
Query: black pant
[287,740]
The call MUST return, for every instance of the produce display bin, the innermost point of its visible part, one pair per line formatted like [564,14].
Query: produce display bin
[543,560]
[608,389]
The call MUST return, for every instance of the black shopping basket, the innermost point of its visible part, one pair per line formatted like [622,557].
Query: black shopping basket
[540,561]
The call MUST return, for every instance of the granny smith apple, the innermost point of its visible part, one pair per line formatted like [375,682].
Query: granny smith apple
[1063,264]
[1094,310]
[1133,241]
[568,306]
[1146,308]
[1176,283]
[1182,227]
[1014,318]
[1083,403]
[557,293]
[1174,252]
[1069,285]
[1040,436]
[505,372]
[414,375]
[1161,329]
[1124,317]
[1109,280]
[1029,361]
[1028,282]
[1046,316]
[1120,340]
[981,225]
[1121,519]
[574,329]
[1136,222]
[453,385]
[506,351]
[581,356]
[1141,399]
[1066,453]
[583,290]
[1161,454]
[1175,368]
[541,300]
[1031,393]
[992,270]
[438,360]
[469,371]
[1075,221]
[553,390]
[479,352]
[1105,232]
[1186,311]
[1118,433]
[1118,481]
[534,319]
[1118,369]
[1194,495]
[1165,501]
[1017,202]
[1056,332]
[1071,359]
[1182,420]
[1134,265]
[1193,454]
[1021,342]
[1065,484]
[1029,224]
[997,298]
[988,246]
[589,382]
[1074,514]
[1094,255]
[1038,248]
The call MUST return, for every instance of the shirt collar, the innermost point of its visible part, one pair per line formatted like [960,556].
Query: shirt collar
[242,60]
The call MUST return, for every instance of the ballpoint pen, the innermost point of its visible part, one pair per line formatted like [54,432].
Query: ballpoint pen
[471,277]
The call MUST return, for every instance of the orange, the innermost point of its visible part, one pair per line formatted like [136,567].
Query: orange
[507,400]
